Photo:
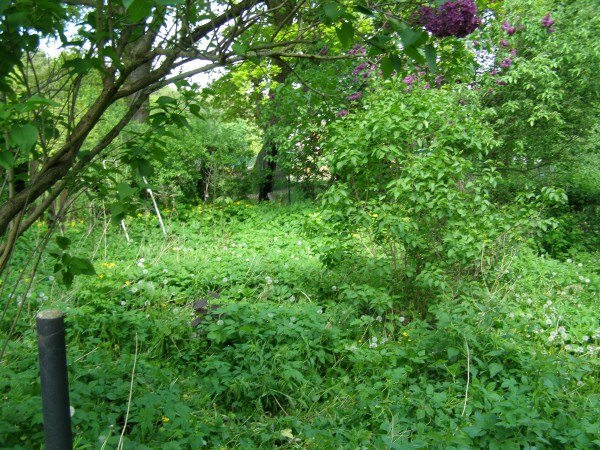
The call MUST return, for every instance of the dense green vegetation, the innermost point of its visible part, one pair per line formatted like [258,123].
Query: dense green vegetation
[378,228]
[303,352]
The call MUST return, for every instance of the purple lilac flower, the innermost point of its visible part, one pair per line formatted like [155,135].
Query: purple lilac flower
[357,49]
[504,43]
[439,80]
[409,80]
[355,96]
[513,52]
[342,113]
[509,30]
[500,82]
[506,63]
[494,73]
[547,22]
[456,18]
[358,69]
[324,51]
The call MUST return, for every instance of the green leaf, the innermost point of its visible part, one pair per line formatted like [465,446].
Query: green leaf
[345,33]
[63,242]
[138,9]
[24,136]
[332,10]
[239,49]
[82,266]
[364,9]
[170,2]
[125,191]
[431,57]
[143,167]
[117,211]
[409,37]
[414,53]
[7,160]
[495,368]
[39,100]
[387,67]
[165,100]
[66,278]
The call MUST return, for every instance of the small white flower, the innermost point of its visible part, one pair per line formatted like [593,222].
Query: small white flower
[165,281]
[142,260]
[247,259]
[299,242]
[175,310]
[270,315]
[568,347]
[292,319]
[225,280]
[145,271]
[379,319]
[319,311]
[569,260]
[218,258]
[147,303]
[374,339]
[269,280]
[548,321]
[529,301]
[551,338]
[373,345]
[585,338]
[165,270]
[334,288]
[353,348]
[401,319]
[587,280]
[293,298]
[220,322]
[101,438]
[580,265]
[123,302]
[553,274]
[134,290]
[140,264]
[51,278]
[71,411]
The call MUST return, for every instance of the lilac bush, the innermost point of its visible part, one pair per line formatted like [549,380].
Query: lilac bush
[458,18]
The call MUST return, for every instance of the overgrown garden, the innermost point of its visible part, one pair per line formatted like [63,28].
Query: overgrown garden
[378,227]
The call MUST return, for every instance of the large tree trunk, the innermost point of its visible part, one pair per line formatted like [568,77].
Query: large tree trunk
[267,167]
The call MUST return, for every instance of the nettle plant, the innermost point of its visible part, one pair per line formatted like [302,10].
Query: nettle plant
[413,185]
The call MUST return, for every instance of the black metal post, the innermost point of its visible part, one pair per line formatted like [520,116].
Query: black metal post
[55,383]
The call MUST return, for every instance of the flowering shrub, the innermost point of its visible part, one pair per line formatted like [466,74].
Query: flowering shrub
[454,18]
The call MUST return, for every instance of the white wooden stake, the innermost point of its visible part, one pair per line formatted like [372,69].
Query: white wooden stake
[162,225]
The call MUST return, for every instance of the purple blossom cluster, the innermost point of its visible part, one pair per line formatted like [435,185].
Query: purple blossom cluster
[547,23]
[455,18]
[357,50]
[509,30]
[358,69]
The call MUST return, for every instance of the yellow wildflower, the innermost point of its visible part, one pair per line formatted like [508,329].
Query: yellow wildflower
[165,419]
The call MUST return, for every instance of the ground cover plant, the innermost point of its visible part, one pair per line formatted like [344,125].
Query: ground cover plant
[297,351]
